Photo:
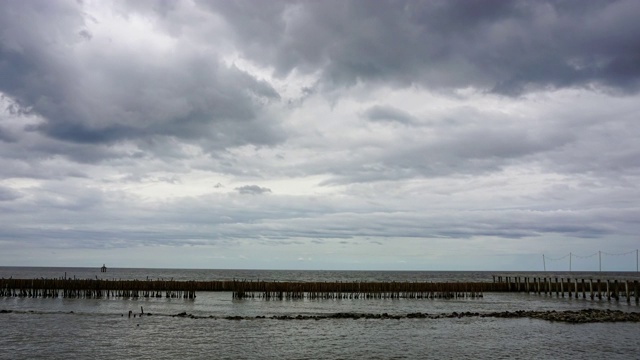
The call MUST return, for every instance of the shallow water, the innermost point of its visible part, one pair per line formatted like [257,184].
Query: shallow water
[100,328]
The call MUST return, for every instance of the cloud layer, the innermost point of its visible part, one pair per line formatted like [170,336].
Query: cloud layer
[393,135]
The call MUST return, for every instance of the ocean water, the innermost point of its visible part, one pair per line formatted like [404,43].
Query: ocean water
[100,328]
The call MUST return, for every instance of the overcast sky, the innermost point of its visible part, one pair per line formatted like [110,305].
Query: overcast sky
[429,135]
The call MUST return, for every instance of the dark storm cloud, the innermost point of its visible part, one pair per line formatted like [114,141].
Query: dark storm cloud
[96,90]
[52,65]
[502,46]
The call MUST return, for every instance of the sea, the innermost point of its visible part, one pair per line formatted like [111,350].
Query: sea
[46,328]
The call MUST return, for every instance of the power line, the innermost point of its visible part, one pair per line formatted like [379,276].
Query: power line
[571,255]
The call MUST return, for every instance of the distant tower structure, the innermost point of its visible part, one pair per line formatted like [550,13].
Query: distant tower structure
[103,268]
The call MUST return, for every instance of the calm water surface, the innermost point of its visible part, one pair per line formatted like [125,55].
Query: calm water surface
[99,328]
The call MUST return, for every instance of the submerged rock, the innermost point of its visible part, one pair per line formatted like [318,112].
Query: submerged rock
[567,316]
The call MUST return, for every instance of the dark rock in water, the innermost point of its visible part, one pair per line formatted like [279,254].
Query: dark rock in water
[416,316]
[568,316]
[4,311]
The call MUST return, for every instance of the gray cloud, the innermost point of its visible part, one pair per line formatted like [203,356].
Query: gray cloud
[252,189]
[388,113]
[7,194]
[502,127]
[125,93]
[507,47]
[6,136]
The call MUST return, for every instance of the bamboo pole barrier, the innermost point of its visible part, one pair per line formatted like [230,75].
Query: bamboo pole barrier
[243,289]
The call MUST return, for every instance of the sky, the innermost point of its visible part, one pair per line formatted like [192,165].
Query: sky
[334,134]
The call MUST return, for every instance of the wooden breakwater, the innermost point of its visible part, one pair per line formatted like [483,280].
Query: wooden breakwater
[90,288]
[242,289]
[285,290]
[573,287]
[358,290]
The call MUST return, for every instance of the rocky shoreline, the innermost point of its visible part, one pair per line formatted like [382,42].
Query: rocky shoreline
[568,316]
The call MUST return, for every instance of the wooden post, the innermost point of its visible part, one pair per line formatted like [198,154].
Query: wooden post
[569,287]
[576,288]
[562,286]
[626,289]
[591,288]
[599,293]
[557,289]
[584,296]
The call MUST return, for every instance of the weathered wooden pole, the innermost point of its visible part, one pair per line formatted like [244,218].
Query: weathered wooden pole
[626,289]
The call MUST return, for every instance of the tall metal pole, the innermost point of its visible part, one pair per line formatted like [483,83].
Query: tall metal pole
[570,256]
[544,264]
[636,261]
[600,259]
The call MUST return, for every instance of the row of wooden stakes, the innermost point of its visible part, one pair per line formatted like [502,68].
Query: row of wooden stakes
[572,287]
[285,290]
[240,289]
